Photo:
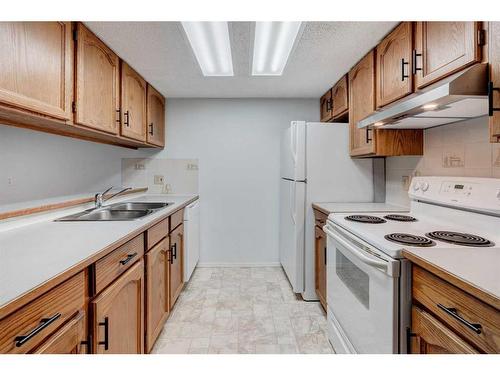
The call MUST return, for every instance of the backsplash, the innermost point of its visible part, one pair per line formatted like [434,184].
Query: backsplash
[460,149]
[161,176]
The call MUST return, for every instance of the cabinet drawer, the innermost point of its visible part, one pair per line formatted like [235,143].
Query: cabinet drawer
[24,329]
[68,339]
[114,264]
[472,319]
[176,219]
[156,233]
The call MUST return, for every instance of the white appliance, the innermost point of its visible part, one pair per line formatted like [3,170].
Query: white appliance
[315,167]
[191,238]
[368,282]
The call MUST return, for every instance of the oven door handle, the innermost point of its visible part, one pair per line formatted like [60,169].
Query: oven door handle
[380,264]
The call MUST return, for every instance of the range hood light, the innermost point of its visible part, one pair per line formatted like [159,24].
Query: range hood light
[379,123]
[430,106]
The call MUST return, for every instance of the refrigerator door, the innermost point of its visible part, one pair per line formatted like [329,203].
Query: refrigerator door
[293,160]
[191,238]
[292,198]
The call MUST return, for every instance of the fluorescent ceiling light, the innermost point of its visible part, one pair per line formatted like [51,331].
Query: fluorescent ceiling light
[272,46]
[211,46]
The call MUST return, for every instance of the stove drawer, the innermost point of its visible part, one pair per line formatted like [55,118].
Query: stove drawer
[472,319]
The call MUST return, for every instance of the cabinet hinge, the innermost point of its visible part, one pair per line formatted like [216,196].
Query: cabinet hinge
[481,37]
[73,107]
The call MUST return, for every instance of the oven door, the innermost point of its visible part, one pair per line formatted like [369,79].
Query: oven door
[362,294]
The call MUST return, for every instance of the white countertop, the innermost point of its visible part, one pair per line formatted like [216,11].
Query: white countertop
[338,207]
[31,255]
[479,267]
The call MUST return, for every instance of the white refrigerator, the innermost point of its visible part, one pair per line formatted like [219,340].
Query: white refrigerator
[315,167]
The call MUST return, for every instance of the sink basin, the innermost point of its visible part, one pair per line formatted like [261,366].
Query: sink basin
[138,206]
[117,212]
[107,215]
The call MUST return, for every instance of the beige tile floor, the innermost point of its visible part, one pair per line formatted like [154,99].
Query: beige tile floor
[243,310]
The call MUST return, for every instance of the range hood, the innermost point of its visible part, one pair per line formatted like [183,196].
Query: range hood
[459,97]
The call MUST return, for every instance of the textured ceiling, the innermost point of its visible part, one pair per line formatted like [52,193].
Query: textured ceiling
[159,51]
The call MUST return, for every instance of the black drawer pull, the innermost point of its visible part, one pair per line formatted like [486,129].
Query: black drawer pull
[325,255]
[128,259]
[453,312]
[105,324]
[44,323]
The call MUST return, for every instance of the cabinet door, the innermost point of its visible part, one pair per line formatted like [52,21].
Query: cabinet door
[176,264]
[320,250]
[326,108]
[430,336]
[97,81]
[494,64]
[70,339]
[133,104]
[157,279]
[36,67]
[394,78]
[156,117]
[118,315]
[340,98]
[361,104]
[443,48]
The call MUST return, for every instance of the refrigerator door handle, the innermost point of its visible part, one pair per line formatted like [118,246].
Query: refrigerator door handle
[293,188]
[293,141]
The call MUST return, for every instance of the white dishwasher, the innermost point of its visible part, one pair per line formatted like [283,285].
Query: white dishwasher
[191,238]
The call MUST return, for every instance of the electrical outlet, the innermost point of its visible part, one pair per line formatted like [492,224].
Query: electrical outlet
[158,179]
[167,189]
[192,167]
[10,181]
[405,181]
[139,166]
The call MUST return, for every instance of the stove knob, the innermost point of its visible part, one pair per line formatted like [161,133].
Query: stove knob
[416,186]
[424,186]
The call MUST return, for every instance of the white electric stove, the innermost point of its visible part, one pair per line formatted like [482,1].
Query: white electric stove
[368,284]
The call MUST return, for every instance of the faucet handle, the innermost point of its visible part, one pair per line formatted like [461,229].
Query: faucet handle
[105,191]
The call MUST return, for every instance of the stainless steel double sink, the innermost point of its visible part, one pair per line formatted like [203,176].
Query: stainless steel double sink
[125,211]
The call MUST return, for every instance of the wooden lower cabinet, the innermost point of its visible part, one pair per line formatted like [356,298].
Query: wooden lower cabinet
[430,336]
[118,320]
[320,265]
[70,339]
[157,291]
[176,264]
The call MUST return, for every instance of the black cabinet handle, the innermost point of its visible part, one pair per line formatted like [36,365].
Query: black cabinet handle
[105,324]
[119,117]
[491,108]
[126,116]
[128,259]
[409,335]
[403,75]
[414,56]
[151,129]
[453,312]
[368,138]
[325,255]
[174,251]
[44,323]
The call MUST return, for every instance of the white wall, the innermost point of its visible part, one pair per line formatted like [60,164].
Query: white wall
[460,149]
[237,144]
[42,165]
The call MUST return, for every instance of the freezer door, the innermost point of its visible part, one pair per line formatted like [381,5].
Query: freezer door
[293,159]
[292,198]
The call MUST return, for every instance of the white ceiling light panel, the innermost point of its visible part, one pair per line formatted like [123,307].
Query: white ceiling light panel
[211,46]
[272,46]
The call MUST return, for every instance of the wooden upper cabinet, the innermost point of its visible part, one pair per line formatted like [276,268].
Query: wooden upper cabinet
[97,81]
[340,99]
[133,104]
[157,290]
[325,106]
[36,65]
[155,117]
[494,65]
[176,264]
[394,73]
[361,104]
[443,48]
[118,320]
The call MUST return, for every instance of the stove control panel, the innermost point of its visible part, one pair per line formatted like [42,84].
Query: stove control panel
[482,194]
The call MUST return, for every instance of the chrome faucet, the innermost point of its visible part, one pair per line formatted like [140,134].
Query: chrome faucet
[100,199]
